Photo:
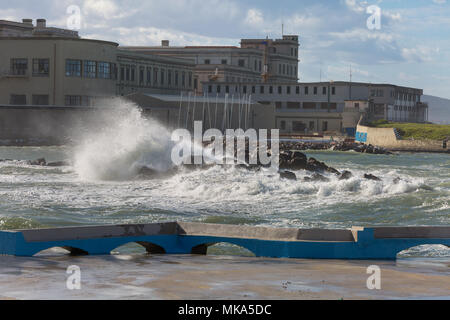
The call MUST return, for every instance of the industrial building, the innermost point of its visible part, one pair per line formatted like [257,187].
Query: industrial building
[306,108]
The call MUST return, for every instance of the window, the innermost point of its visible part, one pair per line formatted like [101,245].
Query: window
[241,63]
[309,105]
[176,78]
[127,74]
[218,89]
[133,74]
[227,89]
[19,67]
[253,89]
[163,75]
[325,126]
[155,76]
[183,79]
[280,90]
[224,61]
[271,90]
[315,90]
[18,99]
[324,90]
[149,75]
[73,68]
[311,125]
[306,90]
[90,69]
[298,126]
[122,73]
[284,69]
[169,77]
[104,70]
[41,67]
[190,79]
[113,71]
[294,105]
[141,75]
[283,125]
[260,65]
[278,105]
[207,61]
[40,100]
[297,90]
[261,90]
[288,90]
[209,88]
[244,89]
[73,100]
[333,90]
[255,65]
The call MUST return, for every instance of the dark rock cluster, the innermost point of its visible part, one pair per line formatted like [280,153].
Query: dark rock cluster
[335,146]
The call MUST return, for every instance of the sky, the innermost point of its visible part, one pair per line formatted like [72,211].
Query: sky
[410,48]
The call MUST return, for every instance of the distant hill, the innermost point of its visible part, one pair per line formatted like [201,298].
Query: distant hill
[439,111]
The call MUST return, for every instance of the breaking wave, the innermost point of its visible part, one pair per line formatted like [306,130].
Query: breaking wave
[124,142]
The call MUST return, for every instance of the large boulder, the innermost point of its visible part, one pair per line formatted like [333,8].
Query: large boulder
[288,175]
[38,162]
[317,166]
[316,177]
[371,177]
[346,175]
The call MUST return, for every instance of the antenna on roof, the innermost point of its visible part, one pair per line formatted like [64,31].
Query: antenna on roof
[282,28]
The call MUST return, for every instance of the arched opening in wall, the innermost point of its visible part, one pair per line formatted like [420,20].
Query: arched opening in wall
[138,248]
[222,249]
[61,251]
[425,251]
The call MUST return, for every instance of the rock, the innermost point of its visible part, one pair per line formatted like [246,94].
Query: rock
[317,166]
[345,175]
[316,177]
[149,173]
[38,162]
[288,175]
[58,164]
[397,180]
[371,177]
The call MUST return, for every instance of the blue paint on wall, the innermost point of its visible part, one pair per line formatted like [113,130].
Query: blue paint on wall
[361,137]
[367,247]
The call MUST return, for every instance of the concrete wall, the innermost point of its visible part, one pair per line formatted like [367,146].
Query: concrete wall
[386,138]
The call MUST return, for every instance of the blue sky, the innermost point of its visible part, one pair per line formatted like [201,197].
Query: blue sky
[412,47]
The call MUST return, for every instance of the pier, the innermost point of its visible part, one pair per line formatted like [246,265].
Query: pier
[383,243]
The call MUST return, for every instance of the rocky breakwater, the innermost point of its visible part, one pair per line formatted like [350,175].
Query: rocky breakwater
[333,146]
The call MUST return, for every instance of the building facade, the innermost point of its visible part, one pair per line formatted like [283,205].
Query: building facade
[320,106]
[50,66]
[256,60]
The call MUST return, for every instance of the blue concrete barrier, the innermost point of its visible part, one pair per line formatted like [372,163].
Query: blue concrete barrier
[194,238]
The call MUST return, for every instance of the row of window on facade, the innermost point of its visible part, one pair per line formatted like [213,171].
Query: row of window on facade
[270,90]
[43,100]
[91,69]
[397,95]
[284,69]
[156,76]
[299,126]
[404,108]
[21,99]
[41,67]
[308,105]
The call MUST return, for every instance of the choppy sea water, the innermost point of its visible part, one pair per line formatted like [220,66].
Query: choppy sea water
[34,197]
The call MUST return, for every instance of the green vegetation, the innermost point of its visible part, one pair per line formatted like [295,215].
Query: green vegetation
[416,130]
